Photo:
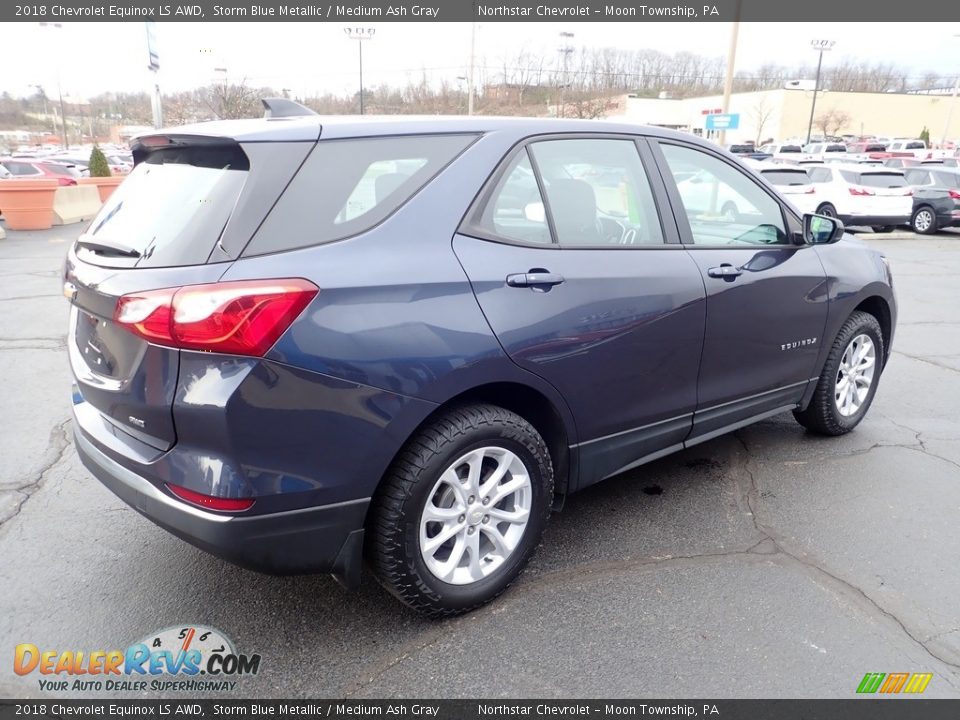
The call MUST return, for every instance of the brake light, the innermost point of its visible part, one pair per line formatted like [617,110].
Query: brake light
[810,190]
[209,502]
[860,191]
[244,317]
[954,195]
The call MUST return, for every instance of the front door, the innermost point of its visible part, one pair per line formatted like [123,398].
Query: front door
[578,278]
[766,294]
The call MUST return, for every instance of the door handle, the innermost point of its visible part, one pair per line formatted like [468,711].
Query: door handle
[534,279]
[725,271]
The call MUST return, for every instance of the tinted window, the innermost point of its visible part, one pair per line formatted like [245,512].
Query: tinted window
[915,146]
[950,180]
[21,169]
[722,203]
[882,180]
[917,177]
[515,210]
[786,177]
[835,148]
[820,174]
[597,192]
[791,149]
[348,186]
[172,208]
[736,149]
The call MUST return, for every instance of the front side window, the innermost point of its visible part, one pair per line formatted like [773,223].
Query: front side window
[597,192]
[723,205]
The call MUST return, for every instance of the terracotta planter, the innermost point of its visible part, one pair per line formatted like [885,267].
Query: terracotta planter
[105,185]
[27,204]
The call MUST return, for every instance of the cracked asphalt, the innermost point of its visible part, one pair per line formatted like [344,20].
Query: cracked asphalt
[767,563]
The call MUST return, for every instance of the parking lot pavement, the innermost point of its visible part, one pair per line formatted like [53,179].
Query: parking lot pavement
[765,563]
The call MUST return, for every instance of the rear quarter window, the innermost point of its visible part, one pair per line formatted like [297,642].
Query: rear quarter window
[346,187]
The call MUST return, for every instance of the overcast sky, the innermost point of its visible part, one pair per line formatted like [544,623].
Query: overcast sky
[318,57]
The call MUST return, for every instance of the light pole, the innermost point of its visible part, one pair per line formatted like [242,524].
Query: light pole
[470,70]
[45,111]
[731,64]
[953,102]
[565,51]
[360,34]
[822,46]
[63,114]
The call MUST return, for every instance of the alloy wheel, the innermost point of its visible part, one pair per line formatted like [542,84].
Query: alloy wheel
[855,375]
[922,221]
[475,515]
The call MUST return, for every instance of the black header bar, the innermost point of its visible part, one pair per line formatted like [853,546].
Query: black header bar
[863,12]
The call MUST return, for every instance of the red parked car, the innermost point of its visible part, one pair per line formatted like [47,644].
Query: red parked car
[28,168]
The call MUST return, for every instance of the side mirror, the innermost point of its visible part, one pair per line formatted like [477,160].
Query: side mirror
[821,230]
[535,212]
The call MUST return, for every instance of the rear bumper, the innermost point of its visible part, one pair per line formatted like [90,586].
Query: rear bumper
[865,220]
[323,539]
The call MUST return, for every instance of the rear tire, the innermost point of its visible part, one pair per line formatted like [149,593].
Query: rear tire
[924,221]
[883,228]
[849,379]
[436,543]
[827,210]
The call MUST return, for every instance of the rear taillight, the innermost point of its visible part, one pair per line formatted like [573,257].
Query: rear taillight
[810,191]
[209,502]
[908,193]
[860,191]
[244,317]
[954,195]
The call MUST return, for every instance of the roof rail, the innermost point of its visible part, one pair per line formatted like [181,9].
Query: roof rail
[277,107]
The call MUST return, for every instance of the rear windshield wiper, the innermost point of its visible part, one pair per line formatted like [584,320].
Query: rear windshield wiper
[107,247]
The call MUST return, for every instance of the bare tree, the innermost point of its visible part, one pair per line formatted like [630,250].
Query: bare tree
[760,114]
[228,101]
[831,121]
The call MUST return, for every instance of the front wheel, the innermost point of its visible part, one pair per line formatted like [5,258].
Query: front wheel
[849,378]
[462,510]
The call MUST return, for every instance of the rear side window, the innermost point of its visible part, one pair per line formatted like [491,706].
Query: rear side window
[171,209]
[820,175]
[786,177]
[917,177]
[21,168]
[347,186]
[950,180]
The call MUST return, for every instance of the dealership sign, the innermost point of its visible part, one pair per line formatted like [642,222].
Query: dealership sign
[723,121]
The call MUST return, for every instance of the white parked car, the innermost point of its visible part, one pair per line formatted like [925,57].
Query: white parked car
[862,195]
[819,150]
[784,151]
[791,181]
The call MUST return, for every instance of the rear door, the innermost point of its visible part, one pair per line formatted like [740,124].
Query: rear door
[586,286]
[766,295]
[161,228]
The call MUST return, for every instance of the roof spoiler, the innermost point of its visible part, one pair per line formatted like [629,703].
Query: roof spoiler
[277,107]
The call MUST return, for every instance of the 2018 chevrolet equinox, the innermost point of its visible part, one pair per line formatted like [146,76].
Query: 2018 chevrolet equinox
[299,342]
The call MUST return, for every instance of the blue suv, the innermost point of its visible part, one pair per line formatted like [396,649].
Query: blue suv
[302,342]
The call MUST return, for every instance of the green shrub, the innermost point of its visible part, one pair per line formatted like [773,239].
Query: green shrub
[925,135]
[98,163]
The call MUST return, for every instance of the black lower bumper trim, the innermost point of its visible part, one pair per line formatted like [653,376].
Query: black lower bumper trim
[325,539]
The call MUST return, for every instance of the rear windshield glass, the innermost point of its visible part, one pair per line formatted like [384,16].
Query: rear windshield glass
[915,146]
[741,149]
[875,180]
[836,148]
[790,149]
[786,177]
[348,186]
[170,210]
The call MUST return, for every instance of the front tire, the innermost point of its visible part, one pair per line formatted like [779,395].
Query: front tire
[461,510]
[827,210]
[849,379]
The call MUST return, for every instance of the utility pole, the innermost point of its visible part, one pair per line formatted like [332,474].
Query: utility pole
[153,64]
[565,51]
[63,114]
[470,71]
[731,65]
[822,46]
[360,34]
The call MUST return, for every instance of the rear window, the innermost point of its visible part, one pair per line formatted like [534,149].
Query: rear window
[875,180]
[741,149]
[786,177]
[348,186]
[790,149]
[171,209]
[835,148]
[915,146]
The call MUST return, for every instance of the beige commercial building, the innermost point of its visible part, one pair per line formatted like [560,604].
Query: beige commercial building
[784,114]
